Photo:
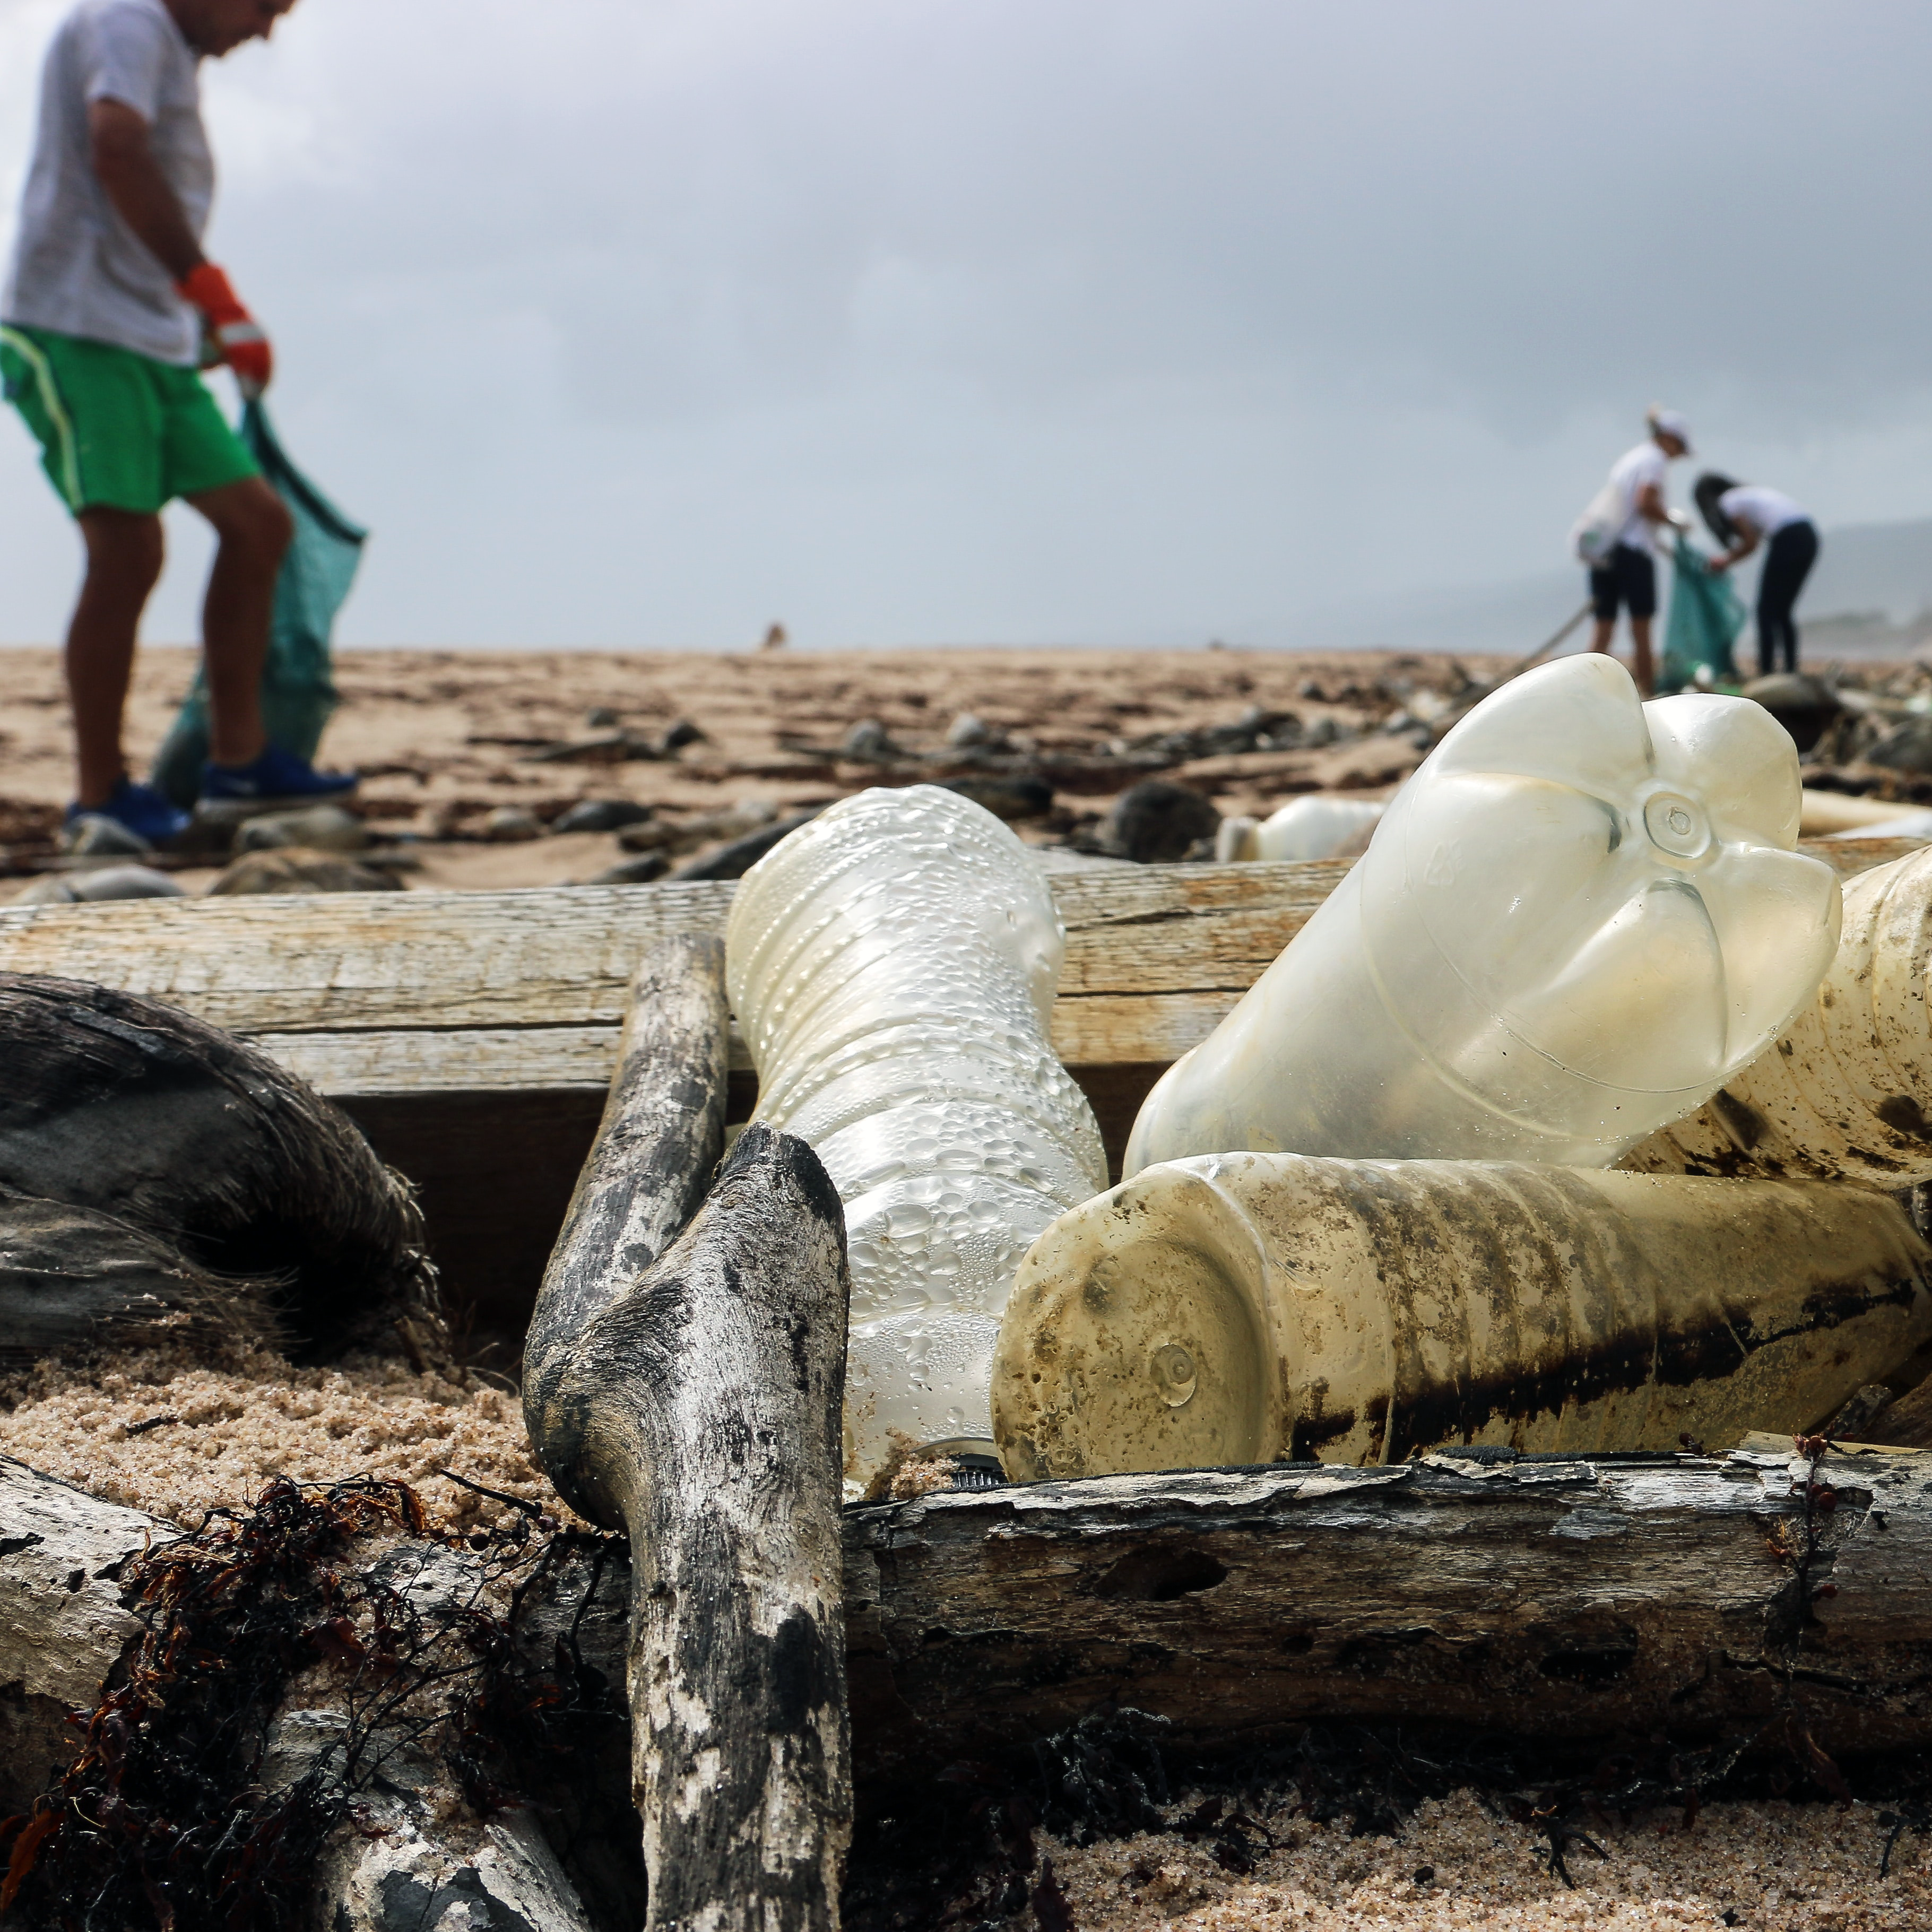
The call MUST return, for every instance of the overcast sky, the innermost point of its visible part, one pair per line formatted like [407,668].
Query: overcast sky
[648,322]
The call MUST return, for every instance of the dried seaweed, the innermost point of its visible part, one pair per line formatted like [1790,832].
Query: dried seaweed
[170,1817]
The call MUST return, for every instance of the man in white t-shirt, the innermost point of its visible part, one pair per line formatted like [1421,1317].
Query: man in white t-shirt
[1626,578]
[1743,515]
[102,326]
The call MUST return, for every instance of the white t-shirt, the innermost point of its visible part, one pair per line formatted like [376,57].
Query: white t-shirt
[78,268]
[1631,472]
[1767,512]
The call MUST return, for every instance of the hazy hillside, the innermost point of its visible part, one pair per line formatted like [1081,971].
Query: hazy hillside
[1871,593]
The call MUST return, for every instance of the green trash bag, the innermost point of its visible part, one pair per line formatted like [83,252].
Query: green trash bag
[299,693]
[1706,617]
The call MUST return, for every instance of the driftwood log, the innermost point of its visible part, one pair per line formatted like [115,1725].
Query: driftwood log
[1560,1599]
[181,1155]
[689,1391]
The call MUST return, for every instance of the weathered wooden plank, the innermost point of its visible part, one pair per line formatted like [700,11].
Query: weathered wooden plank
[1135,1030]
[499,962]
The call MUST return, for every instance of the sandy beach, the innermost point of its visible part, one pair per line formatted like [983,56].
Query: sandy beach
[443,738]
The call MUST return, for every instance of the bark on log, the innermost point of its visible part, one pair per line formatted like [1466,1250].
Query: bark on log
[1550,1597]
[119,1106]
[697,1404]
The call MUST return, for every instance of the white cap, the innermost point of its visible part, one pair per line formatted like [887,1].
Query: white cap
[1672,423]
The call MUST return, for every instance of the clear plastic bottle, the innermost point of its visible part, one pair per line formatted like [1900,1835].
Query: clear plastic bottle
[1579,919]
[1249,1308]
[1315,826]
[892,967]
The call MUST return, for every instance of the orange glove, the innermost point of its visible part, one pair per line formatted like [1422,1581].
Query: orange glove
[236,333]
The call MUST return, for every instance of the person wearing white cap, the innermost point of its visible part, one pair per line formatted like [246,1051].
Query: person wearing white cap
[1624,574]
[1743,515]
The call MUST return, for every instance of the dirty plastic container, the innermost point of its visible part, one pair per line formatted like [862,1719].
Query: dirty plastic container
[1250,1308]
[1846,1092]
[1579,919]
[1315,827]
[892,967]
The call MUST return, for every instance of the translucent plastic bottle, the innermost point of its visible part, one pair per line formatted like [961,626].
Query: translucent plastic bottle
[1846,1092]
[1248,1308]
[1579,919]
[892,966]
[1316,827]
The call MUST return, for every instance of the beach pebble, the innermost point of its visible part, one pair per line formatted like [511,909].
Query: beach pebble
[1012,799]
[93,888]
[1158,824]
[512,825]
[683,733]
[297,869]
[633,871]
[321,828]
[967,730]
[868,738]
[601,718]
[601,815]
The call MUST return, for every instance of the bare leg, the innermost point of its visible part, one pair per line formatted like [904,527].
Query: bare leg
[1606,629]
[254,528]
[124,552]
[1641,667]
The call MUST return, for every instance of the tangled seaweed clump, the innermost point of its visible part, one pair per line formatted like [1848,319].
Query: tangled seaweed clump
[190,1805]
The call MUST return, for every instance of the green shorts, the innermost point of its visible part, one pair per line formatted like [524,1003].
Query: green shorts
[118,430]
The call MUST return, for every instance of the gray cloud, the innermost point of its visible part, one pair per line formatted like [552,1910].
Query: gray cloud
[646,321]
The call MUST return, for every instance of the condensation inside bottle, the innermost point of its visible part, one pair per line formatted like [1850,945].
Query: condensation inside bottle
[892,966]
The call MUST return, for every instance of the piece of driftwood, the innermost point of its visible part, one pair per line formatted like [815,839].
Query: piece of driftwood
[73,1277]
[1585,1599]
[1550,1597]
[690,1391]
[114,1106]
[396,1864]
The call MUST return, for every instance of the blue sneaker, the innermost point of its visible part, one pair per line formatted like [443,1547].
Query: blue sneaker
[138,808]
[276,774]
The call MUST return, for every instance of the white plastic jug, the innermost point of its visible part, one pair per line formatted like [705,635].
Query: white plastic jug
[1316,826]
[1246,1308]
[1579,919]
[892,966]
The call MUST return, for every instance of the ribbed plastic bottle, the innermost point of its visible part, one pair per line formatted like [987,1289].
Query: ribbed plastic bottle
[1580,917]
[1846,1092]
[892,967]
[1253,1308]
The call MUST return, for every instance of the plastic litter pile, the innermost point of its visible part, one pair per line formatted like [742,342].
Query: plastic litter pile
[1372,1213]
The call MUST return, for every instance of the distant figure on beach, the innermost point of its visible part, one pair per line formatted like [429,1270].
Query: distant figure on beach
[774,639]
[109,312]
[1622,550]
[1741,516]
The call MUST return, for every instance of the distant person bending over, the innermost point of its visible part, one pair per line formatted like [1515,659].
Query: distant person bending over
[1743,515]
[1626,577]
[101,329]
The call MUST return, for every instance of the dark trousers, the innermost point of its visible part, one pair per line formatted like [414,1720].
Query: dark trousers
[1787,563]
